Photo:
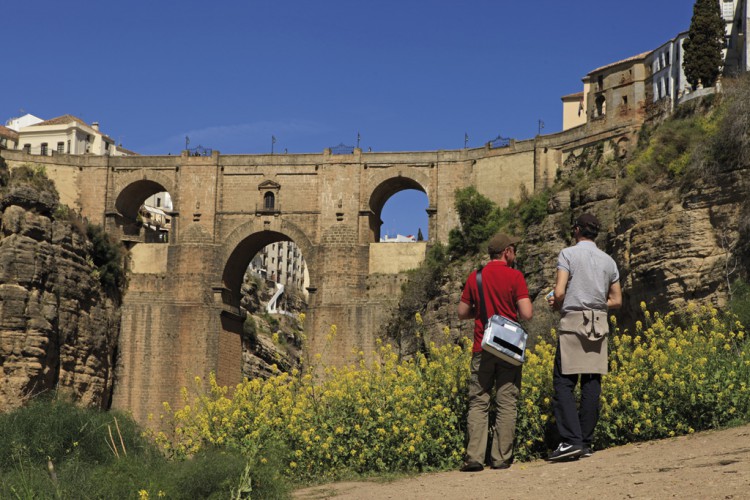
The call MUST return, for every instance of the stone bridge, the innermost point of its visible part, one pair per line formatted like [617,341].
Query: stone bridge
[181,315]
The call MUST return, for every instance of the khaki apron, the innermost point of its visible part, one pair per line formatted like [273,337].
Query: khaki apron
[583,342]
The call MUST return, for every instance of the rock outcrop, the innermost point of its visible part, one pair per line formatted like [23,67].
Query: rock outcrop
[673,242]
[270,342]
[58,328]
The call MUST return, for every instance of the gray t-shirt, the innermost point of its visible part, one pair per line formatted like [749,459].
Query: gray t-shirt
[591,274]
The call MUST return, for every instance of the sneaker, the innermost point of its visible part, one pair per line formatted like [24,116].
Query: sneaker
[587,452]
[472,467]
[565,451]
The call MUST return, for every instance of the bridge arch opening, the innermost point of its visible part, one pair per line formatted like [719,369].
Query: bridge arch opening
[144,213]
[399,207]
[265,279]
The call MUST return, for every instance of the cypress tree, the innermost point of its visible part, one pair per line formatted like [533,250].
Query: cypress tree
[702,59]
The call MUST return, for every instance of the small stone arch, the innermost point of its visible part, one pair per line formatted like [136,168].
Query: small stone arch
[143,181]
[386,187]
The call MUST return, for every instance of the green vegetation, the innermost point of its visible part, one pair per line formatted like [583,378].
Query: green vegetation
[53,449]
[674,374]
[702,63]
[424,284]
[108,255]
[481,218]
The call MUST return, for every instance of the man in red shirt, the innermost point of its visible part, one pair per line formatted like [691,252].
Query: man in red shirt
[505,293]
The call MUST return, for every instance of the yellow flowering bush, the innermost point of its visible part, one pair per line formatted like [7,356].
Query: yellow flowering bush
[388,415]
[675,374]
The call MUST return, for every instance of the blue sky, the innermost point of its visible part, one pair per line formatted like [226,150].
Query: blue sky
[407,75]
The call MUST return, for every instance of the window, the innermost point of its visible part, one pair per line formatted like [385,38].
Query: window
[60,147]
[600,82]
[44,148]
[624,100]
[727,9]
[68,146]
[158,202]
[27,148]
[601,106]
[268,201]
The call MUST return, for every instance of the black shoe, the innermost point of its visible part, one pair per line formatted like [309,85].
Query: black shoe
[501,465]
[565,451]
[587,452]
[471,467]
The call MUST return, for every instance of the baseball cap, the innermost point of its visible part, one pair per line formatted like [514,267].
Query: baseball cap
[500,242]
[588,221]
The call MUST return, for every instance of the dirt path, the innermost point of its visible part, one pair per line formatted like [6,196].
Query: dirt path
[714,464]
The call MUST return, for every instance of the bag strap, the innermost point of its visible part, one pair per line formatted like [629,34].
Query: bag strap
[482,307]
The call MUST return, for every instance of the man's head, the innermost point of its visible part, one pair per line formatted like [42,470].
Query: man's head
[503,246]
[588,226]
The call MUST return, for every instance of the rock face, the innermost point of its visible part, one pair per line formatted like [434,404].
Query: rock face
[673,242]
[269,340]
[58,329]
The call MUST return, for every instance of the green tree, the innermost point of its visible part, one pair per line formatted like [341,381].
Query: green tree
[480,219]
[420,236]
[702,63]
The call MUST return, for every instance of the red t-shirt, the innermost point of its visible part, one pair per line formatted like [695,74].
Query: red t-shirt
[502,286]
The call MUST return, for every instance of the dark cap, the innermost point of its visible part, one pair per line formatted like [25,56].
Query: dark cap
[588,221]
[500,242]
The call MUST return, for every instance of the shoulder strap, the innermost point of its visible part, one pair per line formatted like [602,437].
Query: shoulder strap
[482,307]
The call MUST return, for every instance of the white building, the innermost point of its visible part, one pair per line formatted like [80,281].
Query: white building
[399,238]
[283,263]
[23,121]
[65,134]
[668,82]
[735,14]
[156,215]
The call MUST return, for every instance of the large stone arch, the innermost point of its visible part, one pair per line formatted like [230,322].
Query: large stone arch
[249,238]
[384,185]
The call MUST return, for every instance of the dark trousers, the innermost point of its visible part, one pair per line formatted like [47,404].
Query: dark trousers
[576,426]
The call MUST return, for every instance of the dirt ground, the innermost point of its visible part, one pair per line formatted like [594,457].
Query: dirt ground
[713,464]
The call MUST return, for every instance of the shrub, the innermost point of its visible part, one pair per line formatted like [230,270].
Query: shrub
[108,256]
[386,416]
[675,374]
[53,449]
[480,220]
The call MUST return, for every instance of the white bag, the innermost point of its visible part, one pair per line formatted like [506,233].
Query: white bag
[505,339]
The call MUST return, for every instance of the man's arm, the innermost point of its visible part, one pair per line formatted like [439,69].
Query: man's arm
[525,309]
[465,311]
[614,296]
[561,285]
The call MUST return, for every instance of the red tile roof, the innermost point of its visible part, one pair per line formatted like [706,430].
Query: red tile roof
[8,133]
[629,59]
[572,96]
[62,120]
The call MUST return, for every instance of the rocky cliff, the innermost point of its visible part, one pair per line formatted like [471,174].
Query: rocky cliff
[58,327]
[676,237]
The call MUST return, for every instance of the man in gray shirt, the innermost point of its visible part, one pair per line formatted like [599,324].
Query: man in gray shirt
[587,284]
